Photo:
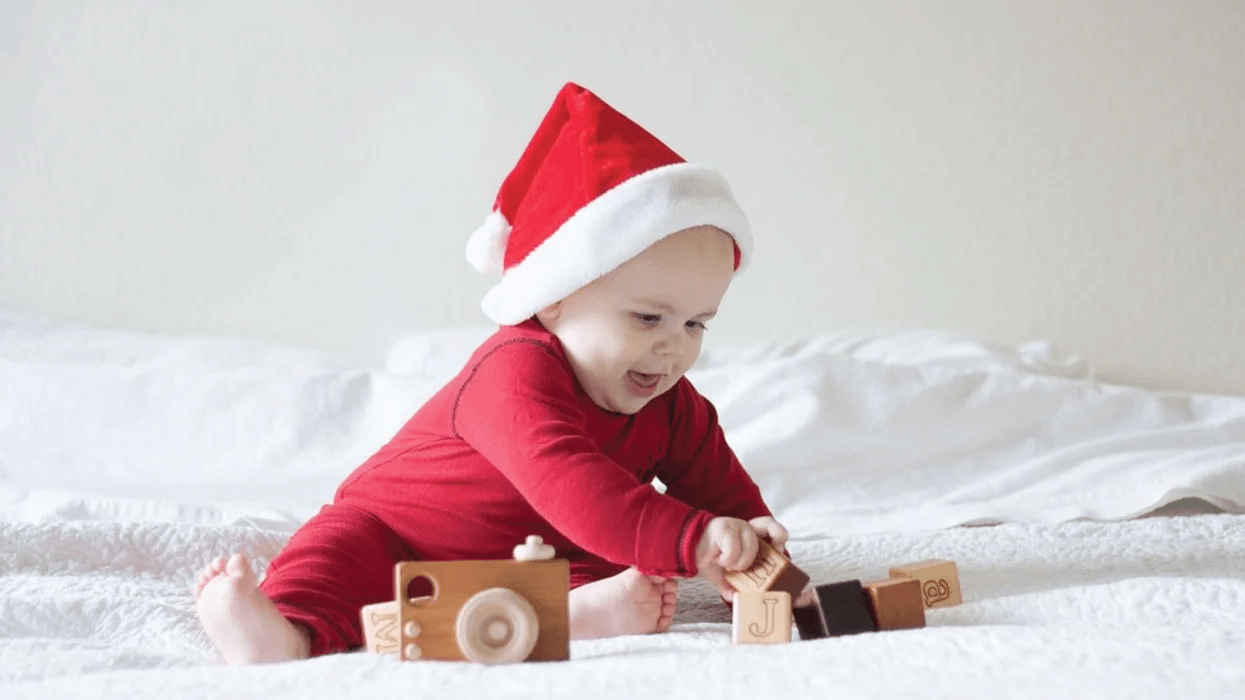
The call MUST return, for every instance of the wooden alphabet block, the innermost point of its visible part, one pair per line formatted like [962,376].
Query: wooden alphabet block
[940,582]
[808,621]
[761,617]
[896,603]
[840,608]
[771,571]
[380,627]
[845,608]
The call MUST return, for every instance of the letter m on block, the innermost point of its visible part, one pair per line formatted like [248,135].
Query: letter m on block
[386,626]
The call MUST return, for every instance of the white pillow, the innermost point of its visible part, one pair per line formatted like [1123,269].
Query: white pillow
[196,421]
[438,354]
[442,353]
[845,445]
[844,433]
[926,348]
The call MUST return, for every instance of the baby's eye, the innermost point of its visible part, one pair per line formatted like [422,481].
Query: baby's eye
[648,319]
[697,325]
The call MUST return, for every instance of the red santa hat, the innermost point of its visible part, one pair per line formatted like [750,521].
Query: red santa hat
[591,191]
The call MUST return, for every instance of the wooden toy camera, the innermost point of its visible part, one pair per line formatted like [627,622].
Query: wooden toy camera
[490,612]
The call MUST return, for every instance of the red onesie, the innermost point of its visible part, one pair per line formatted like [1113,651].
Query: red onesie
[512,447]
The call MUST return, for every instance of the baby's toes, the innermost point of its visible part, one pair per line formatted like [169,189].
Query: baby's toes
[210,572]
[666,617]
[212,569]
[668,606]
[202,581]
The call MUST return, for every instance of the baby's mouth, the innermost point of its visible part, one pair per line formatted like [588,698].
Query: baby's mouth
[644,380]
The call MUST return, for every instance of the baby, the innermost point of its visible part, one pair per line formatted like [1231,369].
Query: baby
[615,253]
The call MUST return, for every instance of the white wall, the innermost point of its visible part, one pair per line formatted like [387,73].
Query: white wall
[308,172]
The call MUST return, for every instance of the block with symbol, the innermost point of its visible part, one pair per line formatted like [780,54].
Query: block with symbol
[770,571]
[761,617]
[940,582]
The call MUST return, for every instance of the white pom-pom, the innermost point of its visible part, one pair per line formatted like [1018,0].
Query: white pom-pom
[486,249]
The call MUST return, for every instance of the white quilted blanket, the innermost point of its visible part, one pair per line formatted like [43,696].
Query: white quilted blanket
[1145,608]
[127,462]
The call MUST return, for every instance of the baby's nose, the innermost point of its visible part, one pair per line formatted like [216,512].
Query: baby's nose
[671,344]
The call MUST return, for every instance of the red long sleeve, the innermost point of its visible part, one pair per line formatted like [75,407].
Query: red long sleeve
[700,468]
[513,446]
[519,409]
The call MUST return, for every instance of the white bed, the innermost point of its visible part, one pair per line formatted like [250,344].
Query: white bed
[128,461]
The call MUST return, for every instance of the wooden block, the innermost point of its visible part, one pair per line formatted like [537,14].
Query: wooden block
[896,603]
[839,608]
[844,608]
[483,610]
[761,617]
[808,621]
[940,582]
[380,627]
[771,571]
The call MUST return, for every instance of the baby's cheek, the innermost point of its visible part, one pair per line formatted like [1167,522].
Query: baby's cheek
[681,370]
[689,359]
[631,346]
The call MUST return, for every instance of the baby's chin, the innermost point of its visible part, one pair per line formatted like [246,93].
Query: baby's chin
[626,407]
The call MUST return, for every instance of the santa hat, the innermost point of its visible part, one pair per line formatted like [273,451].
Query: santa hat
[591,191]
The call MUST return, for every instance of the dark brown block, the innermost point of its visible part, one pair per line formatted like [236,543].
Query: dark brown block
[845,608]
[808,622]
[840,608]
[896,603]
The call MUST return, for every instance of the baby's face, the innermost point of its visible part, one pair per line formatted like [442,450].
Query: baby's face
[631,334]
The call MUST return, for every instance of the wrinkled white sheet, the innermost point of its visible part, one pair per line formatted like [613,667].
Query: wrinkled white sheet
[1144,608]
[844,433]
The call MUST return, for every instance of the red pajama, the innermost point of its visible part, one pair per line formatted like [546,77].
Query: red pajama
[513,447]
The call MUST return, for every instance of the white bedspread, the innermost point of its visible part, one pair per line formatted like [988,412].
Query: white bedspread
[1146,608]
[128,461]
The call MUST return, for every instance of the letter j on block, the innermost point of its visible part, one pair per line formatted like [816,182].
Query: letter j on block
[761,617]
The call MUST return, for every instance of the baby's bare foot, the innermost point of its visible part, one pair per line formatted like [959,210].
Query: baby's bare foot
[240,620]
[629,603]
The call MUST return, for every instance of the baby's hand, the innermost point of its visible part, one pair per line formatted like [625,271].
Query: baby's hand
[769,529]
[728,544]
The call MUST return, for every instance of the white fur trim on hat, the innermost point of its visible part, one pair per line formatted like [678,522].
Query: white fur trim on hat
[486,248]
[612,229]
